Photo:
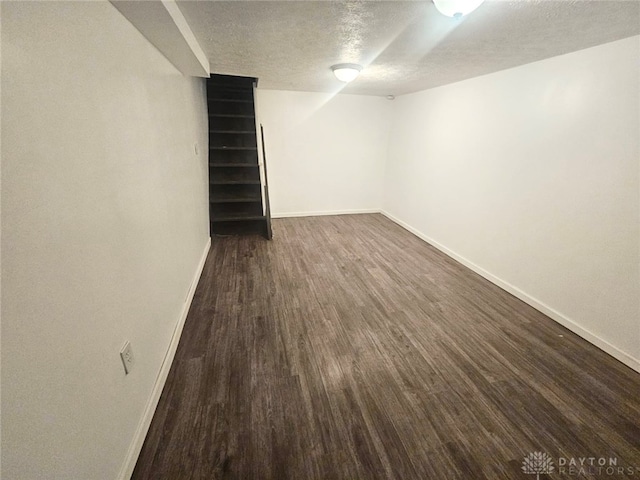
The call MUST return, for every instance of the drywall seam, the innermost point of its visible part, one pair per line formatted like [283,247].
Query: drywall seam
[603,345]
[145,422]
[322,214]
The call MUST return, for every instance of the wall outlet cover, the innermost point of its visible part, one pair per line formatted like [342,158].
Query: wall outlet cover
[126,354]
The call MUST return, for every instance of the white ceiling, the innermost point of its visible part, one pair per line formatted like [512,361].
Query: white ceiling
[405,46]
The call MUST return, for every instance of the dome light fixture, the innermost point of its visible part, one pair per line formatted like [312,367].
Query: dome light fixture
[456,8]
[346,72]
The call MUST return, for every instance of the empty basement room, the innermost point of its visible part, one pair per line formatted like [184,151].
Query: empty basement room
[320,240]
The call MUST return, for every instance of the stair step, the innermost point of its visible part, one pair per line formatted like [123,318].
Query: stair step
[244,132]
[235,174]
[235,209]
[234,191]
[231,115]
[232,140]
[245,94]
[237,218]
[232,123]
[230,81]
[239,227]
[231,108]
[234,165]
[236,199]
[234,182]
[234,156]
[232,85]
[233,100]
[233,148]
[219,90]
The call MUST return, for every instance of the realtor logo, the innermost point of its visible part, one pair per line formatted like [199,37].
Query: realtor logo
[537,463]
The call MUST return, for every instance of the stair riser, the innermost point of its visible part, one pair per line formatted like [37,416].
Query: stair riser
[231,123]
[249,157]
[255,227]
[217,192]
[233,108]
[235,209]
[225,174]
[231,95]
[232,139]
[220,82]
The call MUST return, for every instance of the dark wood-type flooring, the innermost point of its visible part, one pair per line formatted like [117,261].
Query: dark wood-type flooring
[347,348]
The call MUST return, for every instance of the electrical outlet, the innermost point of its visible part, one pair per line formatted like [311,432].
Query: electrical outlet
[126,354]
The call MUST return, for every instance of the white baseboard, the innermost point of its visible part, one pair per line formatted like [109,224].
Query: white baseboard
[321,214]
[612,350]
[145,422]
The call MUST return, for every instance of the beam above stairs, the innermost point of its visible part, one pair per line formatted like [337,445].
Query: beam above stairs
[162,23]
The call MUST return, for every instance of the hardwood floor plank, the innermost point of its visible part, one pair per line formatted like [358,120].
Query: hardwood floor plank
[347,348]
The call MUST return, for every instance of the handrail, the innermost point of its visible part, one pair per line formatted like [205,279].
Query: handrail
[266,186]
[262,162]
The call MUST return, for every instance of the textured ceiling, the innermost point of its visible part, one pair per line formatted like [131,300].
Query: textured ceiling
[405,46]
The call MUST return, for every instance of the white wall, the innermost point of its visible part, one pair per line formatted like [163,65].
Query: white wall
[104,223]
[531,174]
[325,153]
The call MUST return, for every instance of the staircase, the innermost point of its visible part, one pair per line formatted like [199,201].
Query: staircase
[238,194]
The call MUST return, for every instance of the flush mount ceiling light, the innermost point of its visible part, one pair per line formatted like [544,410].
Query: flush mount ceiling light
[346,72]
[456,8]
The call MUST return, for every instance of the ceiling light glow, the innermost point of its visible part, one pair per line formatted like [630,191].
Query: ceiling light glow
[456,8]
[346,72]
